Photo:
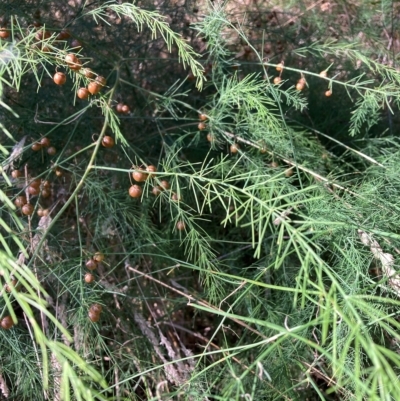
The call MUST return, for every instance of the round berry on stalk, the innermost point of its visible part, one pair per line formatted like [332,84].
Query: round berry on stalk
[7,323]
[63,35]
[151,169]
[82,93]
[27,209]
[96,308]
[108,141]
[16,174]
[73,62]
[139,176]
[45,142]
[201,126]
[94,317]
[289,172]
[94,88]
[125,109]
[101,80]
[165,185]
[323,74]
[36,147]
[202,117]
[20,201]
[4,34]
[180,225]
[59,78]
[234,148]
[328,93]
[91,264]
[135,191]
[51,150]
[118,107]
[156,190]
[175,197]
[34,191]
[89,278]
[88,73]
[299,86]
[36,183]
[13,284]
[46,192]
[279,67]
[98,257]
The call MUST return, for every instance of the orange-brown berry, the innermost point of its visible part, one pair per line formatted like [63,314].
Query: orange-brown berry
[108,141]
[89,278]
[98,257]
[7,323]
[82,93]
[234,148]
[91,264]
[180,225]
[135,191]
[27,209]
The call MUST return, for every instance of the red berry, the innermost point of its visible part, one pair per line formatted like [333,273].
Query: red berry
[88,73]
[180,225]
[98,257]
[96,308]
[139,176]
[82,93]
[27,209]
[89,278]
[91,264]
[234,148]
[45,142]
[7,323]
[94,317]
[33,190]
[51,150]
[135,191]
[63,35]
[16,174]
[156,190]
[46,193]
[165,185]
[36,147]
[4,34]
[59,78]
[151,169]
[70,58]
[108,141]
[20,201]
[125,109]
[94,88]
[101,80]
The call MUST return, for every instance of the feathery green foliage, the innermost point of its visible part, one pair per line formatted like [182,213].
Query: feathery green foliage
[259,260]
